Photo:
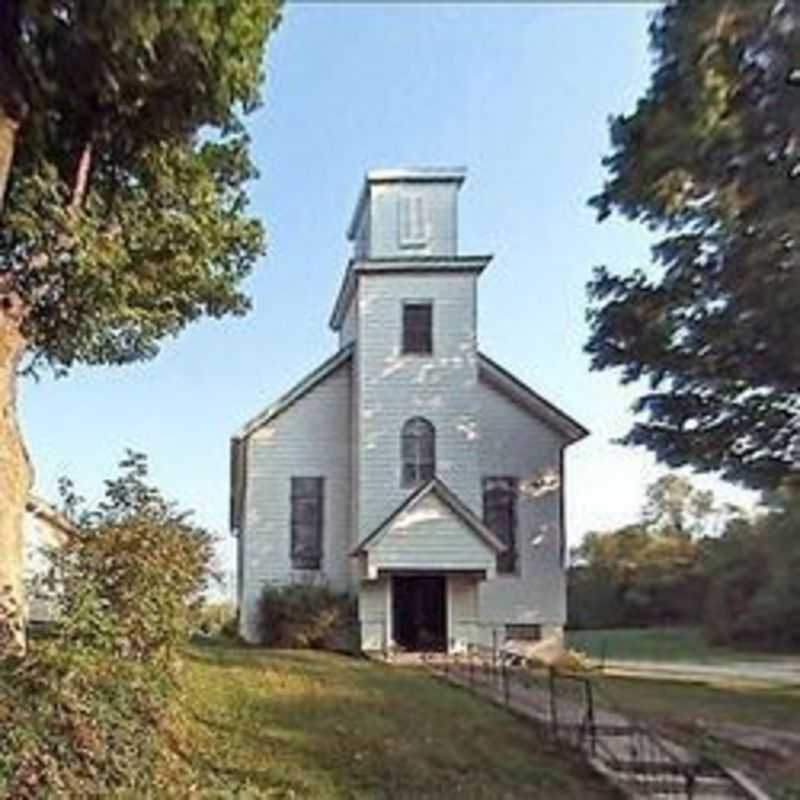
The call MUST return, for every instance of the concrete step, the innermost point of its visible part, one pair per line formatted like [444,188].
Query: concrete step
[667,783]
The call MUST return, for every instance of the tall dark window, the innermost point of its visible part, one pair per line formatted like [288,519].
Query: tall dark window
[418,451]
[500,516]
[306,522]
[417,328]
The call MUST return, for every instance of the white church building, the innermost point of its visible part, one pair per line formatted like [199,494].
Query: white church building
[409,469]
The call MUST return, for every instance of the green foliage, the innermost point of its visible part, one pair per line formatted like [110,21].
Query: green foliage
[651,572]
[302,616]
[215,620]
[125,217]
[710,159]
[129,580]
[674,506]
[634,577]
[10,622]
[741,586]
[88,712]
[79,723]
[754,596]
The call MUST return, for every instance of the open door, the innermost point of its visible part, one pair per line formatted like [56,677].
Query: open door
[419,612]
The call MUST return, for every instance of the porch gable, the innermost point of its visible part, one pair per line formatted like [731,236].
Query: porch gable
[432,531]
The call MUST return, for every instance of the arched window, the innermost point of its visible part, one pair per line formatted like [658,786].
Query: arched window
[418,451]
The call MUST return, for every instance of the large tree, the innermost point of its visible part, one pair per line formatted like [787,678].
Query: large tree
[674,507]
[123,162]
[710,160]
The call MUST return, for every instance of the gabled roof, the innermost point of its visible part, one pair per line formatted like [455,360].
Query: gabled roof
[453,503]
[522,394]
[311,380]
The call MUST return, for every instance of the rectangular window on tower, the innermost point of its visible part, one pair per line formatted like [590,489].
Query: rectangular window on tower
[307,499]
[418,328]
[500,516]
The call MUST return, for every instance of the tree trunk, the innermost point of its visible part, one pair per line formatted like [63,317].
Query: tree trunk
[15,481]
[8,138]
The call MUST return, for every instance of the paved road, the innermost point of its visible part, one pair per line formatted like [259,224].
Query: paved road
[783,672]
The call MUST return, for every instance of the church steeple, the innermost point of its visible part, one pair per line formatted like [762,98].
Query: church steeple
[407,212]
[405,222]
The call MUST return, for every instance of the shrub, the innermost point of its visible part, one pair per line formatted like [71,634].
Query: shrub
[215,619]
[304,615]
[754,598]
[132,577]
[79,723]
[10,622]
[86,713]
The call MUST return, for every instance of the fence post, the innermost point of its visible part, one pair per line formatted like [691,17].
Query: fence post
[504,673]
[603,655]
[470,656]
[689,784]
[590,716]
[553,709]
[494,651]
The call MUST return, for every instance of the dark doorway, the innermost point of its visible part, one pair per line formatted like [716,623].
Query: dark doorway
[419,612]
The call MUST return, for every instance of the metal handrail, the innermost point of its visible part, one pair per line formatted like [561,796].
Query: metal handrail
[652,764]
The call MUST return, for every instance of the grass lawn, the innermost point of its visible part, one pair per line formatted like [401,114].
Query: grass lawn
[657,644]
[314,725]
[777,708]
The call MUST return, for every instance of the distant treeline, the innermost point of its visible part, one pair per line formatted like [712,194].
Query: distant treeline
[741,583]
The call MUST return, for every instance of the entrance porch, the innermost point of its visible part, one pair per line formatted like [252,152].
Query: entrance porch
[419,611]
[419,572]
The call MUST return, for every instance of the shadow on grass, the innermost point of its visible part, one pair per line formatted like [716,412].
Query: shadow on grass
[334,727]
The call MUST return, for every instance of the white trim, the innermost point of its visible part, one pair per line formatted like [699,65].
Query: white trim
[407,263]
[449,613]
[389,612]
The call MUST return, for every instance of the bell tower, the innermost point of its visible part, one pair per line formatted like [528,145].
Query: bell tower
[407,305]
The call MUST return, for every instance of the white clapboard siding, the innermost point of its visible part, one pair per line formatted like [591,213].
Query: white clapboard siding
[393,387]
[514,443]
[430,537]
[436,204]
[373,608]
[309,438]
[347,429]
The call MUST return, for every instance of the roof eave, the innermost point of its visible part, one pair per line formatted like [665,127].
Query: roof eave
[537,405]
[300,389]
[415,264]
[343,298]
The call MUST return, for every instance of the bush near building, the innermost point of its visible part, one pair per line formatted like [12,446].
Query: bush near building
[306,616]
[87,712]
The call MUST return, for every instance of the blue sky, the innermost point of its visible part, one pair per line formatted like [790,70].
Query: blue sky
[520,94]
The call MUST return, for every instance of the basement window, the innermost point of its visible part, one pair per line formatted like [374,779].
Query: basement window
[524,632]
